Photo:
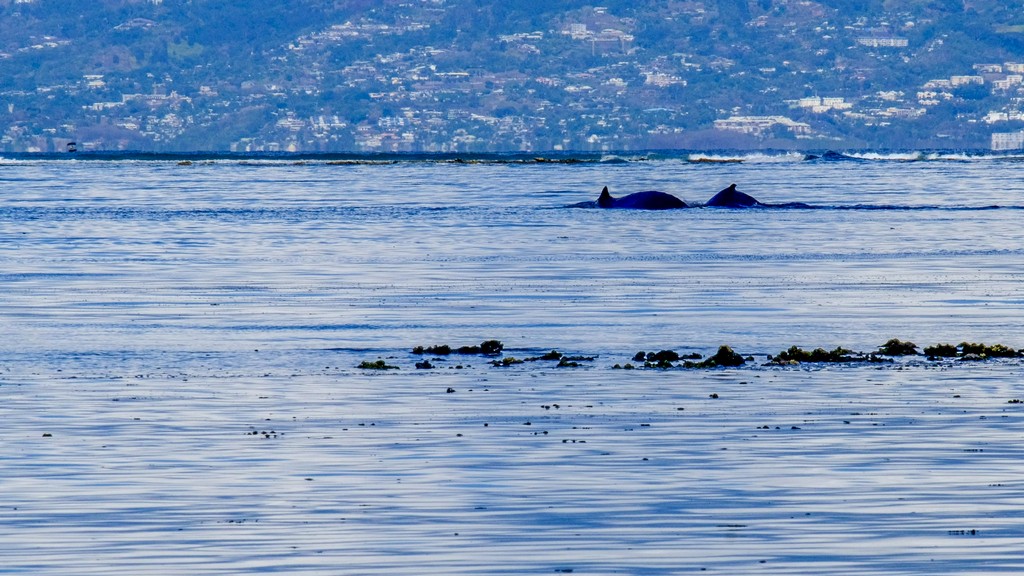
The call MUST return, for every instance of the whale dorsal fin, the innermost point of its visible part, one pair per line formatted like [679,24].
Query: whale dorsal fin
[605,200]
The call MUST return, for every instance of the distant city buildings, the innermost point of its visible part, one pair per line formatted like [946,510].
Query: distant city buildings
[586,79]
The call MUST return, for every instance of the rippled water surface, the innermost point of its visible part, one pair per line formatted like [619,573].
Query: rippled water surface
[180,391]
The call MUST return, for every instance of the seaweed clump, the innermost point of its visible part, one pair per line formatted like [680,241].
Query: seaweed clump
[725,357]
[486,348]
[985,351]
[563,360]
[376,365]
[971,351]
[573,361]
[664,356]
[553,355]
[663,359]
[439,350]
[941,351]
[796,355]
[897,347]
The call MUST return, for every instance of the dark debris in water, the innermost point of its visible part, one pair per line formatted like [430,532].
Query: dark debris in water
[941,351]
[553,355]
[376,365]
[725,357]
[985,351]
[795,355]
[563,360]
[897,347]
[971,351]
[486,348]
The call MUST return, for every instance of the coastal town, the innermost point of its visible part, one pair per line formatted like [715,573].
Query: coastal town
[390,80]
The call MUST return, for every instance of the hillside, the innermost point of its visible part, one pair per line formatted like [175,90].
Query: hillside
[467,75]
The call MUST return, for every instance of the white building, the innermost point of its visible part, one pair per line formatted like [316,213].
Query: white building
[1008,82]
[759,125]
[883,42]
[1008,140]
[966,80]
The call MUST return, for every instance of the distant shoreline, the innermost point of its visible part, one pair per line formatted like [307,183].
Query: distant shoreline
[547,157]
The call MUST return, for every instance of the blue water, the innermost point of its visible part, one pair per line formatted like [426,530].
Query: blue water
[155,313]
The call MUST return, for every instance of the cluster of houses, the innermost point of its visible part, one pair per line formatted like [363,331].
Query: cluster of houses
[1006,79]
[418,97]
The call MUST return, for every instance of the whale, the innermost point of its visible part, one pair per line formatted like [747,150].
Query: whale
[653,200]
[732,198]
[648,200]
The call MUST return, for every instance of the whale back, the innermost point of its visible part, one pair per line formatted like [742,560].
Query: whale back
[648,200]
[732,198]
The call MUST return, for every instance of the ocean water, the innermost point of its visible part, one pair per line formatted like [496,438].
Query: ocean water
[180,391]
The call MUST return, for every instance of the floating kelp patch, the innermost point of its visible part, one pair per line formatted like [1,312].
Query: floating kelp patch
[486,348]
[971,351]
[553,355]
[941,351]
[725,357]
[563,360]
[440,350]
[573,361]
[662,359]
[796,355]
[664,356]
[897,347]
[984,351]
[966,351]
[376,365]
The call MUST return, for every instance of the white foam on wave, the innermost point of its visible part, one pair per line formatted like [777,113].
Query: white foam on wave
[745,157]
[913,156]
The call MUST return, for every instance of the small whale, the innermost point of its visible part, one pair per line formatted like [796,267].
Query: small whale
[732,198]
[649,200]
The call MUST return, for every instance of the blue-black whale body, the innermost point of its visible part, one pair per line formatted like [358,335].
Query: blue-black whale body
[653,200]
[647,200]
[732,198]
